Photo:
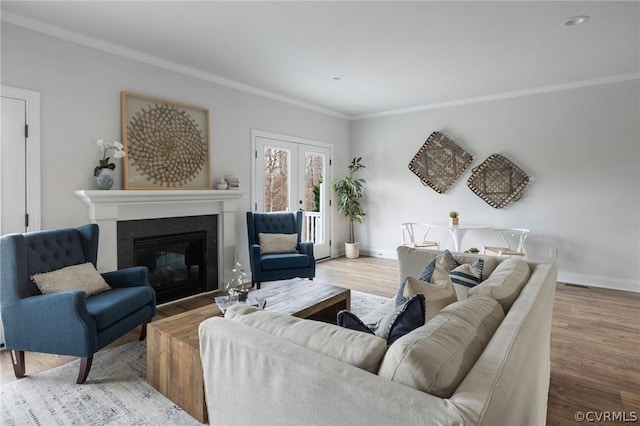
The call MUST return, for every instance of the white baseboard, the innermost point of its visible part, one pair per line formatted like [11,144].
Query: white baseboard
[601,282]
[385,254]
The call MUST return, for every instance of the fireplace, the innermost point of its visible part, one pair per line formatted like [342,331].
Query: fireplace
[111,209]
[180,253]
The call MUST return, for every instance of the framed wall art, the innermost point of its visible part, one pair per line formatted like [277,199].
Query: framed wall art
[167,144]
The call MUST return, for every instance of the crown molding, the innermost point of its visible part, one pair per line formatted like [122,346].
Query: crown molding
[193,72]
[135,55]
[506,95]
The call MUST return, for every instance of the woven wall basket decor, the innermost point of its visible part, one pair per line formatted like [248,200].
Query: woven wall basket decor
[498,181]
[439,162]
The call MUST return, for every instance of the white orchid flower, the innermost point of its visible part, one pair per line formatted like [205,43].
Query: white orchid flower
[101,143]
[119,153]
[118,145]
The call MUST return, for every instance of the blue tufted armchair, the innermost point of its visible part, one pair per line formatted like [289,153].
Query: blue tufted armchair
[278,266]
[67,322]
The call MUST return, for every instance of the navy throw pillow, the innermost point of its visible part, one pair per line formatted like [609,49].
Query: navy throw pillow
[402,320]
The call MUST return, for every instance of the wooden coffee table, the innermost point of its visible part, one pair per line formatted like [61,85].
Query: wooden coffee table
[173,345]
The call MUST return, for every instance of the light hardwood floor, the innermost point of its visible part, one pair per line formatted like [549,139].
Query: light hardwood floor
[595,341]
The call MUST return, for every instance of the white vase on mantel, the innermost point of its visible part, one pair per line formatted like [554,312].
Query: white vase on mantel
[222,184]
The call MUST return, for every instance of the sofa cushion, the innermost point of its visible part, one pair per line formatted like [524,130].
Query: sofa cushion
[505,282]
[111,306]
[283,261]
[437,294]
[83,277]
[278,243]
[436,357]
[361,350]
[405,318]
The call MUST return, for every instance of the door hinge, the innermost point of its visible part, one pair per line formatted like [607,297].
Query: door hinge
[26,130]
[26,220]
[330,162]
[256,153]
[329,203]
[329,243]
[255,206]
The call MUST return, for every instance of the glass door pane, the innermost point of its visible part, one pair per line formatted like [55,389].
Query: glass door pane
[277,179]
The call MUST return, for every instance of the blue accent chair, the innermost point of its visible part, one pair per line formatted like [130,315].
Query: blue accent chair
[68,322]
[278,266]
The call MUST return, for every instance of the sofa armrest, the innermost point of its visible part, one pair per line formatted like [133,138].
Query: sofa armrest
[294,385]
[129,277]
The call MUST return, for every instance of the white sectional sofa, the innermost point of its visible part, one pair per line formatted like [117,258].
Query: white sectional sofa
[483,360]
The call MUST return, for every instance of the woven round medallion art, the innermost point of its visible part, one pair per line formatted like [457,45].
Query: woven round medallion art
[165,145]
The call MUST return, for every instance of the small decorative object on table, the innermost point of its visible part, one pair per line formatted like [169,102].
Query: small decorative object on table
[472,250]
[237,284]
[102,173]
[453,218]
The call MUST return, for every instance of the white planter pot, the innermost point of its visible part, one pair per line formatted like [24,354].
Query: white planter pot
[352,250]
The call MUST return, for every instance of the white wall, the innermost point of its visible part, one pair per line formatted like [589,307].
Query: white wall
[80,103]
[580,146]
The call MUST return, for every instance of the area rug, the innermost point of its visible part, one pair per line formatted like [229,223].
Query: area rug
[115,393]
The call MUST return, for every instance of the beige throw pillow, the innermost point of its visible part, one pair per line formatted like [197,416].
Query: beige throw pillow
[278,243]
[77,277]
[438,294]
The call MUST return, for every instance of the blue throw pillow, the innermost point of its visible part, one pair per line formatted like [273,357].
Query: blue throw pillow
[402,320]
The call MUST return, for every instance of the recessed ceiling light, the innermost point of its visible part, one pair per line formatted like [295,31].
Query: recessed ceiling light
[576,20]
[336,77]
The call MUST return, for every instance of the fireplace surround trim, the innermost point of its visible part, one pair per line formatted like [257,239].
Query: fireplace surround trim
[106,208]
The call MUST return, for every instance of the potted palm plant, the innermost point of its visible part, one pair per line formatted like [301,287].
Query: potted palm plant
[350,191]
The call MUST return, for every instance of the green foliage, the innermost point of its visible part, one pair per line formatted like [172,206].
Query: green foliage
[350,193]
[453,214]
[316,197]
[472,250]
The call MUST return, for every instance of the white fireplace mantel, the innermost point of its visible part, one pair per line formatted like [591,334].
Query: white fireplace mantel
[106,208]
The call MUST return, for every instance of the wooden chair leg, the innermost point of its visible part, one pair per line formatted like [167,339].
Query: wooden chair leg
[143,332]
[17,358]
[85,366]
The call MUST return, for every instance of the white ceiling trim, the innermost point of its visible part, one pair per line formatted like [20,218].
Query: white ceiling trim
[506,95]
[115,49]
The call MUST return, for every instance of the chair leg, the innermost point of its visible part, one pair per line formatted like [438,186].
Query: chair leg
[17,358]
[143,332]
[85,366]
[257,285]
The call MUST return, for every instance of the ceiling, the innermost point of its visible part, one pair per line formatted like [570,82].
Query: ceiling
[391,56]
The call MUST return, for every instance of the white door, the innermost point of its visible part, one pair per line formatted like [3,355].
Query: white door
[19,160]
[289,176]
[13,166]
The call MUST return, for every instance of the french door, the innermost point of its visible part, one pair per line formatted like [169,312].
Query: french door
[291,175]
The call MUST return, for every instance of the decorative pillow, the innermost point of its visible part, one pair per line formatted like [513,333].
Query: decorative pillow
[438,294]
[278,243]
[406,318]
[77,277]
[468,275]
[445,260]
